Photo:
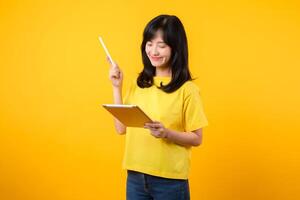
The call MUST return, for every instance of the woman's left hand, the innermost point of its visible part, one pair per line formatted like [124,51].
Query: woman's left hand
[157,129]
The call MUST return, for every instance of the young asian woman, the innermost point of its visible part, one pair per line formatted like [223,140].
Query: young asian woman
[157,157]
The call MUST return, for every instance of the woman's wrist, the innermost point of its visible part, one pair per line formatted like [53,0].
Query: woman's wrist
[117,87]
[167,134]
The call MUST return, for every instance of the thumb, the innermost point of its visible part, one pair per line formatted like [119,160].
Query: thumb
[115,65]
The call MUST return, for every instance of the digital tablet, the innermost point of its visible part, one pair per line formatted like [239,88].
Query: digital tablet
[129,115]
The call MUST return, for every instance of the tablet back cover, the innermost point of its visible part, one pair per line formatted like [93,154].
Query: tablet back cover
[129,115]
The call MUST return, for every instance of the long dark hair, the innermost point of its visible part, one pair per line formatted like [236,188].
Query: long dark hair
[175,37]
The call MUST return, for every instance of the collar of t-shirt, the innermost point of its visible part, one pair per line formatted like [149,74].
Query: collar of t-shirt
[161,79]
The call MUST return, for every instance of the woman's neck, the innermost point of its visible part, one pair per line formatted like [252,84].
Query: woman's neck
[163,72]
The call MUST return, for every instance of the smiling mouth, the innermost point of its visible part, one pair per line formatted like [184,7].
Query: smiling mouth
[155,58]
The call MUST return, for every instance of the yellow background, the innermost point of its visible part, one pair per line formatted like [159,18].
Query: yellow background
[56,142]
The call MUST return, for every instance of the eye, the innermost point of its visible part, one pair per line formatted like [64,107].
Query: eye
[149,44]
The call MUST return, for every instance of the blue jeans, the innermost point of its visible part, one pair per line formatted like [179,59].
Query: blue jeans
[145,187]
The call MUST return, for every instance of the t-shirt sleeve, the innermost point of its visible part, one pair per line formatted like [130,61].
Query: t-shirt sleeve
[194,116]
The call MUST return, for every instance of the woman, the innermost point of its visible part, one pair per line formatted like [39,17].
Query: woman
[157,158]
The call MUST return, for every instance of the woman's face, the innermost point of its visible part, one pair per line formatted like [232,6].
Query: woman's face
[158,52]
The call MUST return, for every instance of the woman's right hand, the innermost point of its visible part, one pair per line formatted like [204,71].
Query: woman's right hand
[115,74]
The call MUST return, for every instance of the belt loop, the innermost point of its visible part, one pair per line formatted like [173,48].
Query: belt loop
[145,181]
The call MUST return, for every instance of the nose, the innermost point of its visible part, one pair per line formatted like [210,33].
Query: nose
[154,51]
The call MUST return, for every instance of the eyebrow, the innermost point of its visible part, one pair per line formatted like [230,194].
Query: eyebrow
[157,42]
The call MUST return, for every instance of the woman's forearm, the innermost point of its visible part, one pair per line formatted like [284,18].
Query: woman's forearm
[117,95]
[185,138]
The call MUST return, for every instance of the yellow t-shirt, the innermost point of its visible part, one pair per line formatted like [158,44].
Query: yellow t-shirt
[181,111]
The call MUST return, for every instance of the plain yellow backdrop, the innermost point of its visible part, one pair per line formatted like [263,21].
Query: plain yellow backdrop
[56,142]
